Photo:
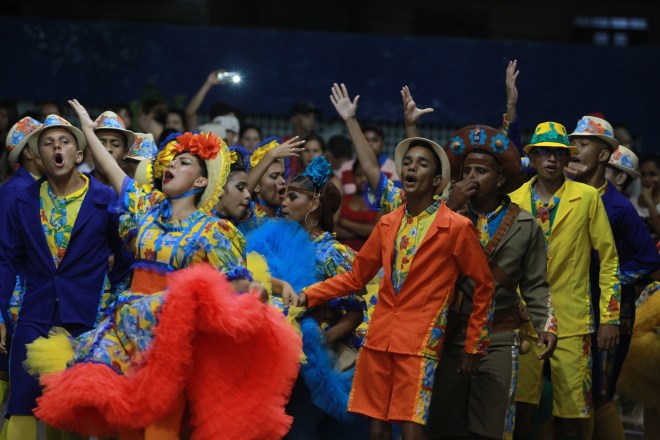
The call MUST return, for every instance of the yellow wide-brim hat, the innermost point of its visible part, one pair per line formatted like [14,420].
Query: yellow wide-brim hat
[550,134]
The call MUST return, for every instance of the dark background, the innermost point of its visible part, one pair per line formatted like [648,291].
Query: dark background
[575,57]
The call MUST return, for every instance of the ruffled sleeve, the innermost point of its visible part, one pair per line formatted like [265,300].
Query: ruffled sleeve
[386,196]
[131,204]
[335,258]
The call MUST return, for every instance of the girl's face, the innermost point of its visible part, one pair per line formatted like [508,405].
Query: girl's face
[235,200]
[296,206]
[183,174]
[650,174]
[272,186]
[312,150]
[250,139]
[175,122]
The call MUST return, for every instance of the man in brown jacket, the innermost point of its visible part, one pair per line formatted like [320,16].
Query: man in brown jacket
[487,165]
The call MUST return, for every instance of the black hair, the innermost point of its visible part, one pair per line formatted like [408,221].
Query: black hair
[166,132]
[157,108]
[119,106]
[375,129]
[181,114]
[427,146]
[652,157]
[356,165]
[329,200]
[247,127]
[315,137]
[340,146]
[56,104]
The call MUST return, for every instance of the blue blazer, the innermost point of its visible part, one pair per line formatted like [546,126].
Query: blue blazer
[638,256]
[77,284]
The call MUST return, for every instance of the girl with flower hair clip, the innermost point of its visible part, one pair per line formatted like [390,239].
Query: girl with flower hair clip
[320,396]
[181,336]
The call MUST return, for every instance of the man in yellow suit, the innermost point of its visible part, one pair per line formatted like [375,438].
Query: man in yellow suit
[574,221]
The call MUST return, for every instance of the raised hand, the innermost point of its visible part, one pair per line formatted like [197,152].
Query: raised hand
[512,73]
[290,148]
[411,113]
[346,109]
[83,116]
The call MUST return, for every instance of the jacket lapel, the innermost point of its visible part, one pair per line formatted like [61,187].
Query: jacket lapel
[391,225]
[90,204]
[569,198]
[441,221]
[32,216]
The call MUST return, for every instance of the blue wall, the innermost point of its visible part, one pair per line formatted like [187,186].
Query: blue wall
[104,62]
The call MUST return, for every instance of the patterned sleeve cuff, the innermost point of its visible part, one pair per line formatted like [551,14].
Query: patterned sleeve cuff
[374,198]
[120,205]
[238,273]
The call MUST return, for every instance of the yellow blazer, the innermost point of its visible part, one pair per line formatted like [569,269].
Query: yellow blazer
[580,225]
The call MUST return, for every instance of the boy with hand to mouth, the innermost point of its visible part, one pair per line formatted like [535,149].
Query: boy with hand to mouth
[483,405]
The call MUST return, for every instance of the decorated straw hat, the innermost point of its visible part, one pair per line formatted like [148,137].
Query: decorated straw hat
[482,138]
[264,147]
[17,137]
[111,121]
[55,121]
[208,147]
[550,134]
[595,127]
[403,148]
[625,160]
[143,147]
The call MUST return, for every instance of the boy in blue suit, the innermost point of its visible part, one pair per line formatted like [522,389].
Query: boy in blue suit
[60,234]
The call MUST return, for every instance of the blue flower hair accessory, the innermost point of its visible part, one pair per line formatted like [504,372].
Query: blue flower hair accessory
[319,171]
[237,152]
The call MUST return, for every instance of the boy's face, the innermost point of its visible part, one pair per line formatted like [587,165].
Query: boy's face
[549,162]
[484,170]
[376,142]
[114,142]
[418,172]
[58,152]
[591,151]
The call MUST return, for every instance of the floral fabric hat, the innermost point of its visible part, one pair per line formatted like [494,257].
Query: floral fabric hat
[625,160]
[111,121]
[55,121]
[143,148]
[595,127]
[17,137]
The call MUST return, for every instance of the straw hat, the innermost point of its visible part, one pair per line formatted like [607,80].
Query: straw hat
[55,121]
[403,148]
[625,160]
[17,137]
[111,121]
[595,127]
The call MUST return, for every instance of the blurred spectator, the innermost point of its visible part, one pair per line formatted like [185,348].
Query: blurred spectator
[338,152]
[304,116]
[648,201]
[217,109]
[314,147]
[225,126]
[125,113]
[50,108]
[8,115]
[249,137]
[356,220]
[153,116]
[176,120]
[376,139]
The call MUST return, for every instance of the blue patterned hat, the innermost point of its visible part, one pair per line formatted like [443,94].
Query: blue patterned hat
[55,121]
[18,136]
[111,121]
[143,148]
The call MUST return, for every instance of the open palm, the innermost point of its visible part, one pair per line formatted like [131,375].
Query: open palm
[346,108]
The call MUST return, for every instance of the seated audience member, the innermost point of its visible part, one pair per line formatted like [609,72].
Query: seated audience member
[376,139]
[356,220]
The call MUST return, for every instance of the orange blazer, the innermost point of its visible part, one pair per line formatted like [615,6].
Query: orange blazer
[413,322]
